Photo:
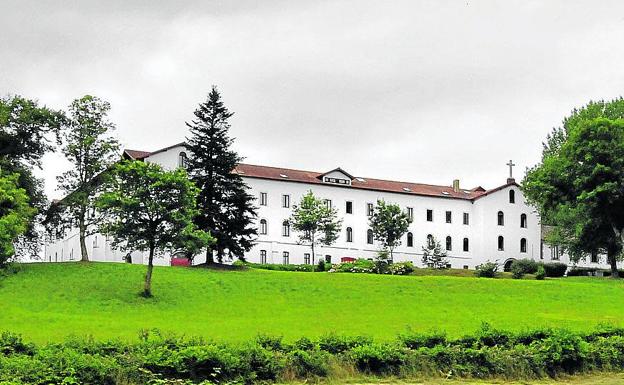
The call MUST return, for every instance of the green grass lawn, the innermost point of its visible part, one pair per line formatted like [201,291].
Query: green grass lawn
[50,301]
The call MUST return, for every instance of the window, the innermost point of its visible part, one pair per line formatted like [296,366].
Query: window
[429,215]
[369,209]
[349,207]
[429,239]
[466,245]
[449,217]
[286,258]
[466,219]
[501,218]
[263,257]
[554,253]
[541,249]
[182,160]
[285,229]
[523,245]
[410,213]
[263,226]
[328,259]
[328,203]
[512,196]
[349,234]
[449,243]
[285,201]
[369,236]
[594,257]
[95,242]
[263,199]
[465,267]
[410,240]
[501,243]
[306,258]
[523,220]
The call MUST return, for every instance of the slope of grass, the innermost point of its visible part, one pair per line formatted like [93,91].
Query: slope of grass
[50,301]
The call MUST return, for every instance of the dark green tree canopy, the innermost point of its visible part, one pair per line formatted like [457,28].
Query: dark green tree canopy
[389,224]
[15,214]
[579,185]
[226,209]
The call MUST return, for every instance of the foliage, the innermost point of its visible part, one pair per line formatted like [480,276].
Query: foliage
[434,256]
[169,359]
[520,267]
[315,221]
[540,274]
[91,150]
[389,224]
[555,269]
[147,208]
[487,270]
[576,185]
[226,208]
[280,267]
[27,132]
[15,214]
[367,266]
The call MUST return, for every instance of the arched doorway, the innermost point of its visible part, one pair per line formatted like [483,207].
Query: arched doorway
[507,265]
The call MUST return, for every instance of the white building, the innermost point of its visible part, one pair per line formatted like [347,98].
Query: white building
[475,225]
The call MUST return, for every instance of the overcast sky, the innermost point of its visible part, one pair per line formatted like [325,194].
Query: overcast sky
[421,91]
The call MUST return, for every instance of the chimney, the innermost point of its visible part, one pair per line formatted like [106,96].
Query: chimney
[511,180]
[456,185]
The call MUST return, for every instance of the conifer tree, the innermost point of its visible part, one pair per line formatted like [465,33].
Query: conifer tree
[226,209]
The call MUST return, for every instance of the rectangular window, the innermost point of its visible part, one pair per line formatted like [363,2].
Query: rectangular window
[594,257]
[306,258]
[449,217]
[328,203]
[429,215]
[328,259]
[286,229]
[263,257]
[466,219]
[263,199]
[286,258]
[349,207]
[410,213]
[369,209]
[285,201]
[466,245]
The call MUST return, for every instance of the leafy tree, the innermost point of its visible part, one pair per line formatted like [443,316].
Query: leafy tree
[15,214]
[578,184]
[146,208]
[91,151]
[226,207]
[27,132]
[315,221]
[433,254]
[389,224]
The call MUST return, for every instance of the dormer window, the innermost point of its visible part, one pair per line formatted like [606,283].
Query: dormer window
[346,182]
[337,176]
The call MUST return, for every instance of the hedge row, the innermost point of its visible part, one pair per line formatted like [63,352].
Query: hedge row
[158,359]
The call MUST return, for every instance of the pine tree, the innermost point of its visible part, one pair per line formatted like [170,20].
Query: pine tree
[226,208]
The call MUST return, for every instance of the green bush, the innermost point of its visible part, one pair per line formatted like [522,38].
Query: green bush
[487,270]
[278,267]
[517,271]
[541,273]
[307,364]
[358,266]
[524,266]
[555,269]
[419,340]
[378,359]
[333,343]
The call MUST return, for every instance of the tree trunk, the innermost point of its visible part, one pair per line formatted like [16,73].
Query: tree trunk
[84,257]
[209,256]
[612,259]
[313,257]
[147,291]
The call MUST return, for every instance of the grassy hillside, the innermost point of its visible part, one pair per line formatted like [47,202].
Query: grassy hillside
[49,301]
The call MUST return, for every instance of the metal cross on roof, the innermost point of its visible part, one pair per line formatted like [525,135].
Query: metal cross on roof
[511,164]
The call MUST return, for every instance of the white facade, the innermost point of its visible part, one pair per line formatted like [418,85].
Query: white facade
[471,243]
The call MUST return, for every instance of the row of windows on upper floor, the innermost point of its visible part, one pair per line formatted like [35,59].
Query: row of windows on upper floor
[410,211]
[409,237]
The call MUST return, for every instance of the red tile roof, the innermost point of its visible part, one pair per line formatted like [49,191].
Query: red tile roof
[136,154]
[312,177]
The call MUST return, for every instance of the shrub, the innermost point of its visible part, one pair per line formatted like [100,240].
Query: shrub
[278,267]
[555,269]
[307,364]
[487,270]
[359,266]
[333,343]
[401,268]
[321,266]
[270,342]
[526,266]
[418,340]
[378,359]
[516,271]
[541,273]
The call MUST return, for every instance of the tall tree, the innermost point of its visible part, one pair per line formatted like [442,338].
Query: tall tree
[579,185]
[315,221]
[389,224]
[27,132]
[90,148]
[146,208]
[226,209]
[15,214]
